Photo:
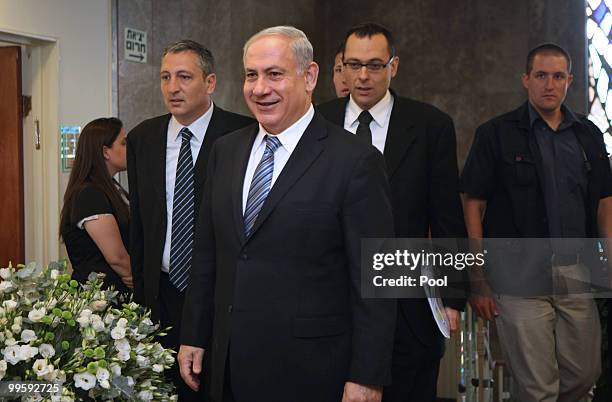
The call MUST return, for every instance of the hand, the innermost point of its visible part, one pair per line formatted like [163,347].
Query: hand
[453,318]
[484,306]
[128,281]
[190,363]
[354,392]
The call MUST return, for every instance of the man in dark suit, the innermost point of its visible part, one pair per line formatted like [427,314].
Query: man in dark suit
[275,294]
[418,144]
[160,150]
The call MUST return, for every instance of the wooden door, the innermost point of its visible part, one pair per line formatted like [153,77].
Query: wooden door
[11,158]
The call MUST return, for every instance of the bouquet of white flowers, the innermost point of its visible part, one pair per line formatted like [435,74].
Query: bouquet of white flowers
[53,329]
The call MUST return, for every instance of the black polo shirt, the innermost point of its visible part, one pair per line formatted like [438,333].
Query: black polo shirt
[564,174]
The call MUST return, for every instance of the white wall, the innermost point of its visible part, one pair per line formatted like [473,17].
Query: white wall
[82,29]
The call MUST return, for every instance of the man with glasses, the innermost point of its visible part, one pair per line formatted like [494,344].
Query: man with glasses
[418,143]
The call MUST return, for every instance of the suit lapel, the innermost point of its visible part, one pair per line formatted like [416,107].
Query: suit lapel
[158,160]
[243,152]
[216,128]
[305,153]
[400,135]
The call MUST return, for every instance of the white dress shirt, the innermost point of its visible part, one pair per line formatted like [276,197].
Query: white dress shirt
[288,139]
[173,146]
[381,113]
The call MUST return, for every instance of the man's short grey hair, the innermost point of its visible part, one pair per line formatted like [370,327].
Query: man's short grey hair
[299,43]
[206,60]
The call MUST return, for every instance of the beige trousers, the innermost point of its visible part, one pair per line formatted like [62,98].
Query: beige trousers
[552,344]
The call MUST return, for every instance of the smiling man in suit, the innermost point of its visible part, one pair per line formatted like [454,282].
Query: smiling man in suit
[275,296]
[418,144]
[167,158]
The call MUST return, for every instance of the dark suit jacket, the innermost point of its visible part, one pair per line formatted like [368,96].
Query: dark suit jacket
[286,301]
[146,156]
[420,153]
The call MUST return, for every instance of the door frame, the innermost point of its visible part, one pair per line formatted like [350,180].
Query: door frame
[42,199]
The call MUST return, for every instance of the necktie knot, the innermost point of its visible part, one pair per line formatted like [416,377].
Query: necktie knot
[186,134]
[365,118]
[272,143]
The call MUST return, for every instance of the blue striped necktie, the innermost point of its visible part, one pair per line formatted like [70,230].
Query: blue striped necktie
[260,185]
[181,243]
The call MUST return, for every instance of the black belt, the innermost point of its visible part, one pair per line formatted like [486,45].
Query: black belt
[560,260]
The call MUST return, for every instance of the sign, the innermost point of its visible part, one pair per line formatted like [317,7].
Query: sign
[135,45]
[69,137]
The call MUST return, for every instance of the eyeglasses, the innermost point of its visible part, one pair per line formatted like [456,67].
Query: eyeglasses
[371,67]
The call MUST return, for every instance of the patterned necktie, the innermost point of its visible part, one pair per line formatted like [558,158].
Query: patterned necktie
[363,130]
[260,185]
[181,243]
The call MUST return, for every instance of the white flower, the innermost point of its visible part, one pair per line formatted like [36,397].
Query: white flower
[115,369]
[84,381]
[97,323]
[10,341]
[98,305]
[158,368]
[3,367]
[137,336]
[51,304]
[102,374]
[122,322]
[110,317]
[118,332]
[11,354]
[41,367]
[142,361]
[37,314]
[122,345]
[123,356]
[145,395]
[18,320]
[9,305]
[52,374]
[28,336]
[5,285]
[5,273]
[104,384]
[46,350]
[84,318]
[130,381]
[26,352]
[16,328]
[54,274]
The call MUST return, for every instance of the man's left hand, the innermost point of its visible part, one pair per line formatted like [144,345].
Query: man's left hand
[454,317]
[354,392]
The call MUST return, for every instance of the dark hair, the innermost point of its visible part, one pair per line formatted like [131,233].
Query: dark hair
[370,29]
[340,49]
[205,57]
[547,48]
[90,169]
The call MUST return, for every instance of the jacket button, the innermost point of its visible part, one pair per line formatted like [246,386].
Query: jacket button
[229,309]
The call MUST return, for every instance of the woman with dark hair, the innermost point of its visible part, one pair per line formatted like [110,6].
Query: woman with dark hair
[95,216]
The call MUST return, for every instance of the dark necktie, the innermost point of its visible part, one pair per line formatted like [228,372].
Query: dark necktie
[181,243]
[260,185]
[363,130]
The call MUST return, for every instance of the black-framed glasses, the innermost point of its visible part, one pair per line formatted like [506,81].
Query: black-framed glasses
[371,67]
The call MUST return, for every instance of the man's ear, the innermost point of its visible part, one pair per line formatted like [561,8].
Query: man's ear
[311,75]
[525,80]
[394,65]
[211,81]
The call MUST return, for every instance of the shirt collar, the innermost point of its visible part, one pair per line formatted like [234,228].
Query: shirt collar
[198,127]
[379,112]
[569,117]
[291,136]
